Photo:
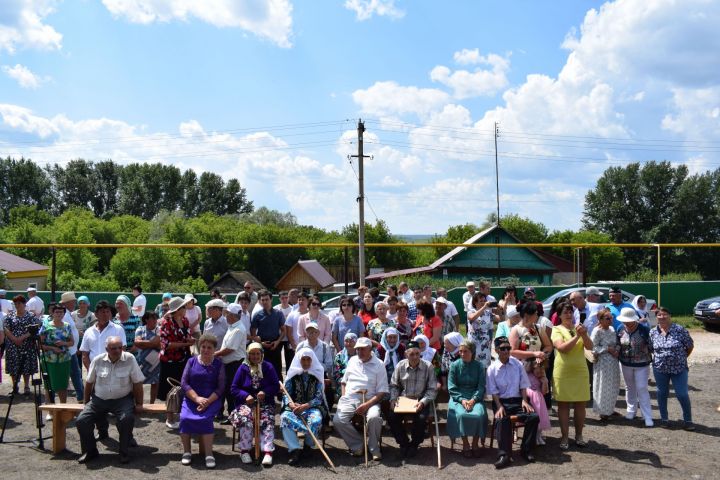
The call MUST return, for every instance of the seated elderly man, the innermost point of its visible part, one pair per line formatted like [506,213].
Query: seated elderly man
[508,382]
[365,373]
[413,378]
[114,385]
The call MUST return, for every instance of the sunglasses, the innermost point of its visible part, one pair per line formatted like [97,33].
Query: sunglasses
[315,304]
[503,349]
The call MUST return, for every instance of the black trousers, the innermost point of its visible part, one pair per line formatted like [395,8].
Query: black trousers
[97,408]
[230,371]
[503,427]
[417,431]
[288,353]
[275,357]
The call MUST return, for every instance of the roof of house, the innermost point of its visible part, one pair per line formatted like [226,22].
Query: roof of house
[520,258]
[315,270]
[13,263]
[241,277]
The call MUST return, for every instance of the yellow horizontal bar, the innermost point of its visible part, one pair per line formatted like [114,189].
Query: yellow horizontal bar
[355,245]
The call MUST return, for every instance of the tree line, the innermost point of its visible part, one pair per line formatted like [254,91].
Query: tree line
[108,189]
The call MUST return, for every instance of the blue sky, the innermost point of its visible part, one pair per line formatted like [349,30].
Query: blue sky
[269,91]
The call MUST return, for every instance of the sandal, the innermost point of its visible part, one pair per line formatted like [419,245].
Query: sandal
[186,458]
[564,444]
[467,452]
[210,461]
[580,442]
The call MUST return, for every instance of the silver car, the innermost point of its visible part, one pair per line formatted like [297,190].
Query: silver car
[605,291]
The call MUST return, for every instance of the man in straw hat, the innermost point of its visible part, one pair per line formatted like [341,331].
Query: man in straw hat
[364,385]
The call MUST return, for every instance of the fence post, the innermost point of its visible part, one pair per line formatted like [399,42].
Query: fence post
[658,274]
[53,278]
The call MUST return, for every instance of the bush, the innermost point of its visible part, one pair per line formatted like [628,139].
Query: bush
[648,275]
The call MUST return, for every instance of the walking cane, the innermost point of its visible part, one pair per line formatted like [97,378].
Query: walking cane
[365,435]
[437,434]
[312,435]
[257,431]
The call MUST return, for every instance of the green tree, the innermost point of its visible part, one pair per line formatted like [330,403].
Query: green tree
[22,182]
[235,198]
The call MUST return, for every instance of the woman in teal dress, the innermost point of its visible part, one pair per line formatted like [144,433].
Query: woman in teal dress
[466,411]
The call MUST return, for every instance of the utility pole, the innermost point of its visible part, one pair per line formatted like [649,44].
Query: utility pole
[497,198]
[361,203]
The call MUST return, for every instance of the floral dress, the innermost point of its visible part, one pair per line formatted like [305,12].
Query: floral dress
[375,328]
[339,366]
[149,358]
[480,332]
[606,371]
[20,360]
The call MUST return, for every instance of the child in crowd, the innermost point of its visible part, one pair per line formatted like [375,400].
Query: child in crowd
[538,389]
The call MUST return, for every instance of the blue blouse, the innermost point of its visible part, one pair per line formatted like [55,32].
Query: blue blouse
[670,351]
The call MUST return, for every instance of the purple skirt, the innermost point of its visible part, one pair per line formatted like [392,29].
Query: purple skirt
[198,423]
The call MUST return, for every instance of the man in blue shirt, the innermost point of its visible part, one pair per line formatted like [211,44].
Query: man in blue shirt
[616,305]
[266,328]
[508,382]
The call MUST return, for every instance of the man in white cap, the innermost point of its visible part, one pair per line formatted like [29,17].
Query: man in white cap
[35,305]
[451,308]
[232,351]
[216,324]
[467,296]
[364,373]
[448,322]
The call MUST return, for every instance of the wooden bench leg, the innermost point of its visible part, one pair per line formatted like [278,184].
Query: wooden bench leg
[60,421]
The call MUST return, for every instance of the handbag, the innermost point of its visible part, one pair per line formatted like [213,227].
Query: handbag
[175,396]
[589,355]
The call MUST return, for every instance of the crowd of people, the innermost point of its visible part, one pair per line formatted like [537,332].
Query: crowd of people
[376,359]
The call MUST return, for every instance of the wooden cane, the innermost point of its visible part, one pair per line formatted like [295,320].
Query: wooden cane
[312,435]
[437,434]
[257,431]
[365,435]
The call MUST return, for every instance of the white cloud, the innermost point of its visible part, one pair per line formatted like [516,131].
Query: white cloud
[389,98]
[696,113]
[22,25]
[667,40]
[467,84]
[365,9]
[24,77]
[269,19]
[391,182]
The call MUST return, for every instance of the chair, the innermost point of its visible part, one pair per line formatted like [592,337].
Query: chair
[516,424]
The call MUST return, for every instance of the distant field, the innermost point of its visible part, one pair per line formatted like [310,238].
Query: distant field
[415,238]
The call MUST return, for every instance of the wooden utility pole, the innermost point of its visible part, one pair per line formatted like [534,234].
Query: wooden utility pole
[361,203]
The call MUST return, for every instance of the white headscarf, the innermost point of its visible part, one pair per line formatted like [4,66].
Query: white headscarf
[427,353]
[455,339]
[642,312]
[390,351]
[316,370]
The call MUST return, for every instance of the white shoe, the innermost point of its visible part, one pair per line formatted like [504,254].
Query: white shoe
[245,458]
[377,456]
[649,422]
[210,461]
[267,460]
[172,426]
[48,417]
[186,458]
[540,440]
[630,416]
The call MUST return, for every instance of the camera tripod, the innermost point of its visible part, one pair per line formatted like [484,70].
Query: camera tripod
[37,384]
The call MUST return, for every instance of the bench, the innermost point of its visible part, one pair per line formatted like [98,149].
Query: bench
[62,413]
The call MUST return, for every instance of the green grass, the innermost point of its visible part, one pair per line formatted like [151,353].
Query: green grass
[688,321]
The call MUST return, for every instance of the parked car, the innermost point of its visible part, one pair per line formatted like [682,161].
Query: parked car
[705,311]
[332,305]
[626,296]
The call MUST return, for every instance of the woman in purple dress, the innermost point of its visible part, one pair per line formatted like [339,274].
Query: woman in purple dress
[203,381]
[255,381]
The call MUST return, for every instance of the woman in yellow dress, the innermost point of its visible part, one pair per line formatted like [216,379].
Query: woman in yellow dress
[571,379]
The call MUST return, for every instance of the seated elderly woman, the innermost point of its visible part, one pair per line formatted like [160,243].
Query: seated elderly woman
[451,353]
[341,360]
[305,385]
[466,412]
[255,381]
[390,350]
[203,382]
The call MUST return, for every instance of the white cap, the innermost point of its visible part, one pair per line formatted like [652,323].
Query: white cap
[441,300]
[363,342]
[32,289]
[627,315]
[234,308]
[470,284]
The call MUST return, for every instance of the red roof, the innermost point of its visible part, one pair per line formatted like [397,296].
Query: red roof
[13,263]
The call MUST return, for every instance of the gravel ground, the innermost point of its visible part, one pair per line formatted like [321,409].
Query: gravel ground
[618,449]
